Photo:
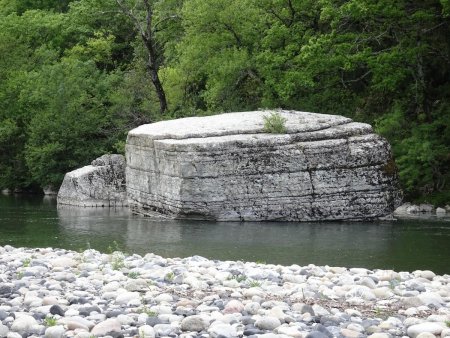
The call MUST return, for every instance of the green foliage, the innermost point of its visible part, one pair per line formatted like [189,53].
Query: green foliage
[169,276]
[239,278]
[21,6]
[117,260]
[50,321]
[253,283]
[113,247]
[80,91]
[274,123]
[133,275]
[147,310]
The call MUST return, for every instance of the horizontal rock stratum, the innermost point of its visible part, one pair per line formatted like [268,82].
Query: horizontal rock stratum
[228,168]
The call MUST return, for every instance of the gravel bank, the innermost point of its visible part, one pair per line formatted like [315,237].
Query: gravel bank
[59,293]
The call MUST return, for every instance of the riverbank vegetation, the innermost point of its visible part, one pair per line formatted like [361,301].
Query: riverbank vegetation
[75,76]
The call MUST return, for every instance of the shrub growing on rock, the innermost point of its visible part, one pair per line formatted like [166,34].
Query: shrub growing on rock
[275,123]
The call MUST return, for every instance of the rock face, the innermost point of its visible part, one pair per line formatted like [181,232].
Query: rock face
[226,167]
[100,184]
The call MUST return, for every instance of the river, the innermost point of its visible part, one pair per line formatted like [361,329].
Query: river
[404,245]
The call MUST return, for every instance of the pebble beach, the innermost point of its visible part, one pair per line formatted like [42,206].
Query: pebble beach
[59,293]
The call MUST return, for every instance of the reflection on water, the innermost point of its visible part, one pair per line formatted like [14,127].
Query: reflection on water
[402,245]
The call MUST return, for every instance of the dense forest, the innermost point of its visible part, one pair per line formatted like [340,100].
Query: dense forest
[76,75]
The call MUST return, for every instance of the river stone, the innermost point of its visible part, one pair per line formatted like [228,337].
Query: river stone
[427,274]
[379,335]
[233,306]
[77,322]
[3,330]
[56,310]
[109,325]
[222,330]
[13,335]
[431,298]
[227,168]
[194,323]
[164,330]
[267,323]
[100,184]
[5,290]
[55,332]
[316,334]
[350,333]
[23,324]
[440,211]
[125,297]
[290,331]
[146,331]
[426,335]
[430,327]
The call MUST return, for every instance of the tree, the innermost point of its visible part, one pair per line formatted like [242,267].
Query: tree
[142,17]
[58,76]
[21,40]
[72,123]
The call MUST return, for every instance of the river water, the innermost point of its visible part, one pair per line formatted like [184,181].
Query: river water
[406,245]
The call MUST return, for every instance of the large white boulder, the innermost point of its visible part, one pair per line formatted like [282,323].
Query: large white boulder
[227,167]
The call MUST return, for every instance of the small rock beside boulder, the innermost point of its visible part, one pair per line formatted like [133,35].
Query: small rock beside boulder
[101,184]
[412,210]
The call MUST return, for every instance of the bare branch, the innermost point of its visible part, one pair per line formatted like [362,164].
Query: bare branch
[233,32]
[277,16]
[163,20]
[293,12]
[129,13]
[425,31]
[357,79]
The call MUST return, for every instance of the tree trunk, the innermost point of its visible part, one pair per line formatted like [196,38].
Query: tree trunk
[146,32]
[152,67]
[159,88]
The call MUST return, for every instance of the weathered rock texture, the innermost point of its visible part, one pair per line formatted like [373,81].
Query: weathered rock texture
[225,167]
[100,184]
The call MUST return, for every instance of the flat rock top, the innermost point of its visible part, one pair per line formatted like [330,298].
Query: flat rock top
[235,123]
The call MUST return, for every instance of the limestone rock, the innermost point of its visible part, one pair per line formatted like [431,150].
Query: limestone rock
[426,208]
[194,323]
[100,184]
[55,332]
[219,330]
[267,323]
[415,330]
[227,168]
[3,330]
[23,324]
[440,211]
[146,331]
[109,325]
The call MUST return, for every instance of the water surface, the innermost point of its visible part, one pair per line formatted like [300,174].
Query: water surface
[402,245]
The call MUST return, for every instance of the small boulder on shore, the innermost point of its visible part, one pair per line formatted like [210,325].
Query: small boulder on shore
[101,184]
